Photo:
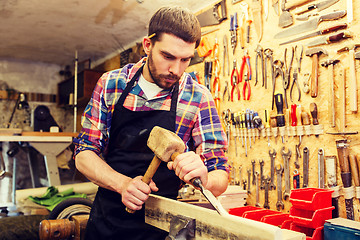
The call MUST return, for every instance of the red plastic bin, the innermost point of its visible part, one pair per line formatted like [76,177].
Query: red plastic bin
[311,198]
[276,219]
[239,211]
[311,233]
[311,219]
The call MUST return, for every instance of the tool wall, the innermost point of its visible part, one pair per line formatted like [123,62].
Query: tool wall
[301,112]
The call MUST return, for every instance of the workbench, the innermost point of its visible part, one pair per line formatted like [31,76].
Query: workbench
[48,144]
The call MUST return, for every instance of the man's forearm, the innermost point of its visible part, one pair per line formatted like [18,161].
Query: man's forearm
[99,172]
[217,182]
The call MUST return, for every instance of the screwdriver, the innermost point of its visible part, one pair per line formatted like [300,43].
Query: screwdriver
[233,130]
[243,127]
[252,125]
[267,126]
[294,124]
[240,130]
[305,118]
[258,123]
[247,114]
[280,118]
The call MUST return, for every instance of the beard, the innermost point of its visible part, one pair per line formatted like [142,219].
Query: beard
[161,79]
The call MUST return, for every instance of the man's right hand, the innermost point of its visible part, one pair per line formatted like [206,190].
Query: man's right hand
[136,192]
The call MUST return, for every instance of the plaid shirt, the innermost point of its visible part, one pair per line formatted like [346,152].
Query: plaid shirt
[197,121]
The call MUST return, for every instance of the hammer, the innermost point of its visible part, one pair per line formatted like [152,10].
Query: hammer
[352,72]
[314,54]
[166,145]
[331,63]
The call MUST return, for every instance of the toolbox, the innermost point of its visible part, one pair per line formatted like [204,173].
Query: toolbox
[341,228]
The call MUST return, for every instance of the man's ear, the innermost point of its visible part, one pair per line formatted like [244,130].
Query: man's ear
[146,45]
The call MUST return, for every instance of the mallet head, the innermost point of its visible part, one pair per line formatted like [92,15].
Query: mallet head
[164,143]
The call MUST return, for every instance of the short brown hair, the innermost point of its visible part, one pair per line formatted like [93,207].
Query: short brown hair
[177,21]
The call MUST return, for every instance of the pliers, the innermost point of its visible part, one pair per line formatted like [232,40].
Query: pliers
[235,82]
[259,55]
[296,72]
[246,60]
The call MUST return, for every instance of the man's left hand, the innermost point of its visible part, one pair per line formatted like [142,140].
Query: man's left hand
[188,166]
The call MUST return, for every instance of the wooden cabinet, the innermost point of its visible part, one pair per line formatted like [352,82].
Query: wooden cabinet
[87,80]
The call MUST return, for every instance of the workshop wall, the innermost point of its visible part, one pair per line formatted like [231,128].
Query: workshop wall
[23,76]
[261,98]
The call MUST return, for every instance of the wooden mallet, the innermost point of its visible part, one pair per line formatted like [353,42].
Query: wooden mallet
[166,145]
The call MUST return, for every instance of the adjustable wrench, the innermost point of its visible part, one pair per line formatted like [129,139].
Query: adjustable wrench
[279,172]
[253,171]
[249,173]
[306,167]
[321,168]
[262,184]
[286,157]
[257,204]
[267,187]
[272,176]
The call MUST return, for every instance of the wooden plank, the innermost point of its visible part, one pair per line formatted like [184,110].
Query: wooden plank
[209,224]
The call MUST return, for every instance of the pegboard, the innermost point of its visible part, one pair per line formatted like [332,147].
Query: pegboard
[261,98]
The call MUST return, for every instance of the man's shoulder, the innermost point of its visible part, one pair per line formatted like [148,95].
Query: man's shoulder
[192,85]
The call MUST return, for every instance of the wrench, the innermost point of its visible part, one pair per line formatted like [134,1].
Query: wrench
[267,185]
[249,174]
[321,168]
[306,167]
[272,169]
[286,157]
[279,172]
[244,184]
[262,184]
[257,204]
[253,170]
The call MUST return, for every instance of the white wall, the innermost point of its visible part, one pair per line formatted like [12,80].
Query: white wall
[24,76]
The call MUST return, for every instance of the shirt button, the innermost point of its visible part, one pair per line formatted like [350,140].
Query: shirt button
[147,104]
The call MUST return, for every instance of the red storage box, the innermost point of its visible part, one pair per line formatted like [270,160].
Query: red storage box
[311,234]
[311,219]
[276,219]
[239,211]
[311,198]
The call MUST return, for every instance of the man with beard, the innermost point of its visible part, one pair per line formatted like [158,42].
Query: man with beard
[126,104]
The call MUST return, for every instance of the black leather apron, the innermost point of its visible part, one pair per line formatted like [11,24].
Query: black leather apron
[128,154]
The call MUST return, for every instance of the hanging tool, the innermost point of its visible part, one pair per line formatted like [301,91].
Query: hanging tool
[342,147]
[208,73]
[233,30]
[268,59]
[280,118]
[331,175]
[310,25]
[286,18]
[318,33]
[248,124]
[319,6]
[294,121]
[243,127]
[321,168]
[233,131]
[245,24]
[256,8]
[266,9]
[295,82]
[331,63]
[353,81]
[314,54]
[216,84]
[277,66]
[235,80]
[275,4]
[214,15]
[226,56]
[248,75]
[267,125]
[259,55]
[287,72]
[252,125]
[296,179]
[226,91]
[227,120]
[239,130]
[330,39]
